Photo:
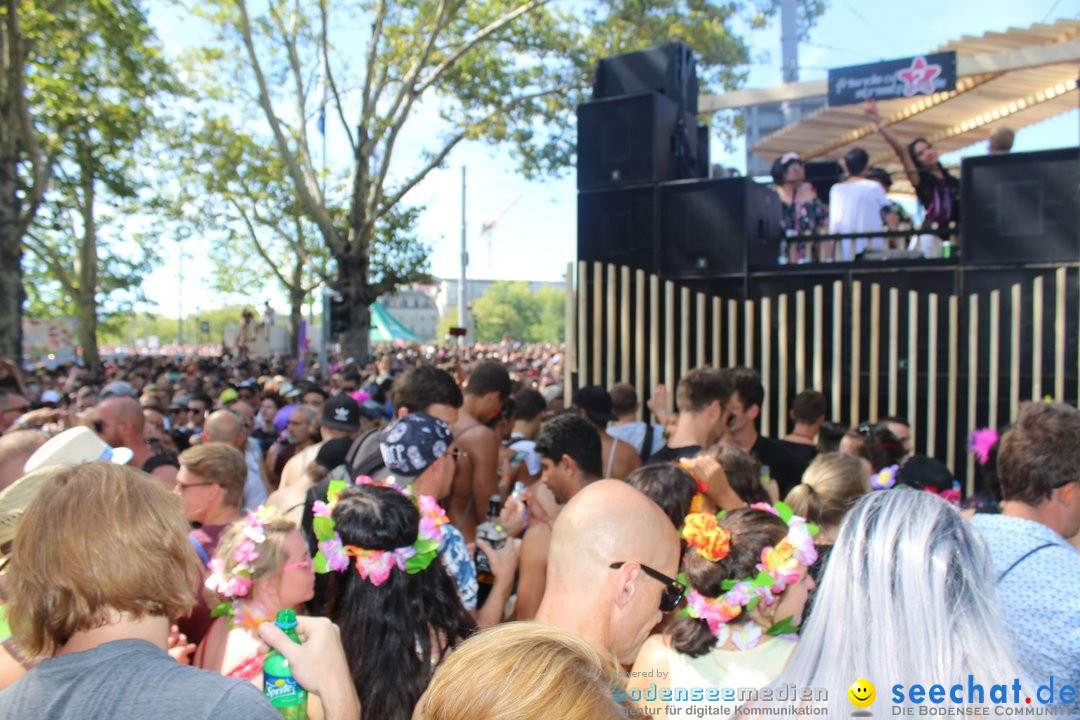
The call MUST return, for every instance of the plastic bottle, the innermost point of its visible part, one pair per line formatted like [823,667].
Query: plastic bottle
[495,535]
[279,685]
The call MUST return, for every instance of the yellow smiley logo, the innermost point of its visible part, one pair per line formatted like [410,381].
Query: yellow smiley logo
[862,693]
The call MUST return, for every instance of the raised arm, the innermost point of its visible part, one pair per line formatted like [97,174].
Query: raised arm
[900,150]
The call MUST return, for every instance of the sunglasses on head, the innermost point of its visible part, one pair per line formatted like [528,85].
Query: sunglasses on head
[673,589]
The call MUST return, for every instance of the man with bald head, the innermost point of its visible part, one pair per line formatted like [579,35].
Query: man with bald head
[120,423]
[611,567]
[226,426]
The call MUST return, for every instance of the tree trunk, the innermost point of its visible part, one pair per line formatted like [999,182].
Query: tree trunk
[353,285]
[11,287]
[354,263]
[86,298]
[296,306]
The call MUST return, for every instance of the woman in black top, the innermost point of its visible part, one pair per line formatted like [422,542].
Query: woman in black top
[938,191]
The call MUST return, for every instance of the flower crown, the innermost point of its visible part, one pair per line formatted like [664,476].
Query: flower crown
[779,567]
[236,583]
[375,565]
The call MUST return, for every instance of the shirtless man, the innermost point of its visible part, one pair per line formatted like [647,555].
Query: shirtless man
[569,449]
[476,478]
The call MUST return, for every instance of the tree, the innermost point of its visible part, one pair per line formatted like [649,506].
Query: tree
[499,71]
[90,77]
[511,308]
[94,94]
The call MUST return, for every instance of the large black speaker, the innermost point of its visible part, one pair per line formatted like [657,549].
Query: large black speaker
[667,69]
[717,227]
[618,226]
[634,140]
[1021,207]
[823,174]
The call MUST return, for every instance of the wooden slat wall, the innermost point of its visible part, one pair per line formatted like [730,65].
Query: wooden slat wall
[645,330]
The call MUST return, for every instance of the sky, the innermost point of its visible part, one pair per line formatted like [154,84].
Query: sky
[534,233]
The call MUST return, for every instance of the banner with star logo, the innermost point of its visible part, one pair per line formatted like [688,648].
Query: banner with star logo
[904,78]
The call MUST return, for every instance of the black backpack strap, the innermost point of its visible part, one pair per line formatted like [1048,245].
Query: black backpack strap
[646,444]
[1022,558]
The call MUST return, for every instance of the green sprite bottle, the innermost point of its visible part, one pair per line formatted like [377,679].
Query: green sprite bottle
[279,685]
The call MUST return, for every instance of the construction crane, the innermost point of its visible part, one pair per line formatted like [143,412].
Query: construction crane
[487,228]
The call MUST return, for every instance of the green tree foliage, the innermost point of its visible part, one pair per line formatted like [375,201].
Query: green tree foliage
[92,88]
[506,72]
[511,308]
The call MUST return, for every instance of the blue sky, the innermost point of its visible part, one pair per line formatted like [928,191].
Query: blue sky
[535,236]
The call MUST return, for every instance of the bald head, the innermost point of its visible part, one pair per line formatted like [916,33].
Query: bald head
[225,427]
[606,522]
[121,421]
[15,449]
[609,522]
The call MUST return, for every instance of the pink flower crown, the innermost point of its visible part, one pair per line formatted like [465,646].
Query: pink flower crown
[236,583]
[779,567]
[375,565]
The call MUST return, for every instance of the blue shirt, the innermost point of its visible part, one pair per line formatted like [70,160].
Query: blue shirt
[1039,597]
[457,560]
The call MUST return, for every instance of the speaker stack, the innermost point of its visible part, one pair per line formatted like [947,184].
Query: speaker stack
[1021,207]
[644,199]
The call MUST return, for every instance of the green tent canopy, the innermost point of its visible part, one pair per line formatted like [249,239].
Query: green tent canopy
[385,328]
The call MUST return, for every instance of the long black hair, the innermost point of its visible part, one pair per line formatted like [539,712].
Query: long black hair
[394,634]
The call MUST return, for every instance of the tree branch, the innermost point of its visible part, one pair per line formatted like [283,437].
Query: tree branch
[40,248]
[367,100]
[258,245]
[476,40]
[407,94]
[41,172]
[438,159]
[306,187]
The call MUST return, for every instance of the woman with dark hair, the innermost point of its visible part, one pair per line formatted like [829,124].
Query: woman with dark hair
[938,191]
[802,211]
[398,611]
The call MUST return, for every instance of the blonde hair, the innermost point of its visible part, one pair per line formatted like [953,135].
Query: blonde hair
[221,464]
[98,539]
[831,485]
[272,554]
[517,671]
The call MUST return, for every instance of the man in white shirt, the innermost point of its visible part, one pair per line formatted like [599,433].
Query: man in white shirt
[859,205]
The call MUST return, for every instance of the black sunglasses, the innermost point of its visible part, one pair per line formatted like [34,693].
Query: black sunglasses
[673,589]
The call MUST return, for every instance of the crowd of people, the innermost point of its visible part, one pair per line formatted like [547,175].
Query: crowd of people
[857,202]
[464,538]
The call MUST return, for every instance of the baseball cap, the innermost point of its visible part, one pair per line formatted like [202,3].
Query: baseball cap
[227,396]
[341,412]
[410,444]
[552,392]
[117,388]
[596,402]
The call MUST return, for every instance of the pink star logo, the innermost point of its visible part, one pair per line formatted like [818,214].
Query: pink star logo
[919,77]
